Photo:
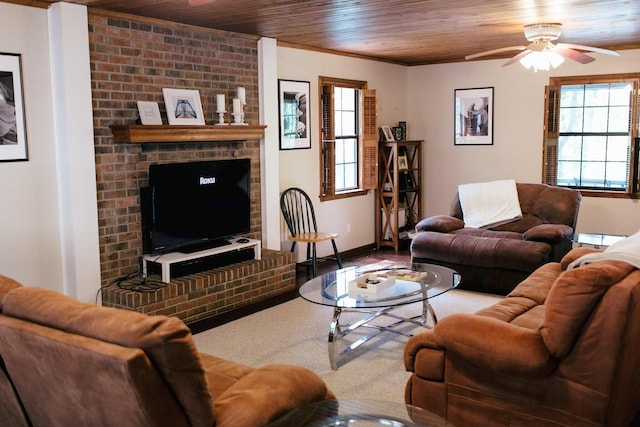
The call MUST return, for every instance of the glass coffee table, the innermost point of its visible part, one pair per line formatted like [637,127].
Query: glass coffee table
[333,413]
[335,290]
[596,240]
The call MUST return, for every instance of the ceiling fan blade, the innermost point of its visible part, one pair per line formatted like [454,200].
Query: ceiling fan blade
[574,54]
[199,2]
[516,58]
[494,51]
[589,48]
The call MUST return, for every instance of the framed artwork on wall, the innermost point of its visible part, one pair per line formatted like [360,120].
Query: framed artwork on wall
[473,116]
[293,107]
[13,134]
[183,106]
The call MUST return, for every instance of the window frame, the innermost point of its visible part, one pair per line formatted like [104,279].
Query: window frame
[551,131]
[327,139]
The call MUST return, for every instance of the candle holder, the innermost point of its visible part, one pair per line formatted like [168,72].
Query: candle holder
[221,117]
[238,112]
[238,119]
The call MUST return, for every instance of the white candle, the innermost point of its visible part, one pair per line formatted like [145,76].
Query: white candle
[242,95]
[237,108]
[220,102]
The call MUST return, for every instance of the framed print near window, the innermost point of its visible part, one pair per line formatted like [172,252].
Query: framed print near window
[183,106]
[13,134]
[293,104]
[473,116]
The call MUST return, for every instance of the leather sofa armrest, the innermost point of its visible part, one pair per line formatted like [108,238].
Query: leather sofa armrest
[550,233]
[574,254]
[423,356]
[415,344]
[267,393]
[441,223]
[495,345]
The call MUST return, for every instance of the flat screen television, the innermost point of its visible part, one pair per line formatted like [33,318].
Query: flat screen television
[193,206]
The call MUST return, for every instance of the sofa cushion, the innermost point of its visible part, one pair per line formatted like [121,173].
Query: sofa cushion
[536,287]
[572,299]
[166,340]
[267,393]
[540,204]
[460,248]
[66,379]
[483,232]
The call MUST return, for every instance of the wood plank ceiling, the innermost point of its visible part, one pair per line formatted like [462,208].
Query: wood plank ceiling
[410,32]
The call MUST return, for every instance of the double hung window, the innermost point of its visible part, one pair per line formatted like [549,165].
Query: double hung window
[349,133]
[591,134]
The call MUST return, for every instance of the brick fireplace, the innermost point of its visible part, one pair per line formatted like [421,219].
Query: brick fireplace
[133,59]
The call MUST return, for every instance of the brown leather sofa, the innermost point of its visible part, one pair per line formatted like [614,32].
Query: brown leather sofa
[495,260]
[66,363]
[560,350]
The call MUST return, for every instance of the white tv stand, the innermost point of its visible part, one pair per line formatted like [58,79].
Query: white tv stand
[166,260]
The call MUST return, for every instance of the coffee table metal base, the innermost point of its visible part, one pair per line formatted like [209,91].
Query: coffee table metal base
[338,331]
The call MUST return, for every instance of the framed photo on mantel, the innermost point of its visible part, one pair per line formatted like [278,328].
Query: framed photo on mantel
[473,116]
[183,106]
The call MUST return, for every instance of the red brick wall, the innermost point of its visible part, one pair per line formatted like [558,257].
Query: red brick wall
[203,295]
[132,59]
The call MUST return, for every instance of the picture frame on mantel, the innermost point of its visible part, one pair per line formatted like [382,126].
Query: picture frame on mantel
[13,133]
[183,106]
[149,113]
[473,116]
[295,120]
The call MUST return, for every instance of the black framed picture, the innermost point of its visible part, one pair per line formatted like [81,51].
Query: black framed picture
[293,107]
[473,116]
[13,134]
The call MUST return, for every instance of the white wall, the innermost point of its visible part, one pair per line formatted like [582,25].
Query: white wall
[48,220]
[301,168]
[518,122]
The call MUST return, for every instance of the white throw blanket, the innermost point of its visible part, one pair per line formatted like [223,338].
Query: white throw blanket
[626,250]
[489,204]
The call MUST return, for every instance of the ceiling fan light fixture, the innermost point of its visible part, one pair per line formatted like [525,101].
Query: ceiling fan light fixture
[542,61]
[541,54]
[543,31]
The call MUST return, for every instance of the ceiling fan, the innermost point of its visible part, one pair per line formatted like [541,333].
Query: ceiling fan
[541,53]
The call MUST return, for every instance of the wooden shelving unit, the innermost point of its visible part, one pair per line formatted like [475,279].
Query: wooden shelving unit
[140,134]
[399,195]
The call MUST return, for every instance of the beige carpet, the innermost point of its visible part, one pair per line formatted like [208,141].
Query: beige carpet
[296,333]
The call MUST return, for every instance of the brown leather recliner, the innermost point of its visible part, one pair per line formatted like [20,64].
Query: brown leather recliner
[560,350]
[495,260]
[64,363]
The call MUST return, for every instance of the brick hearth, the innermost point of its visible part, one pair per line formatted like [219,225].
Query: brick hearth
[213,292]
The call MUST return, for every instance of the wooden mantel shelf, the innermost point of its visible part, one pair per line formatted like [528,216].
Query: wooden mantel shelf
[139,134]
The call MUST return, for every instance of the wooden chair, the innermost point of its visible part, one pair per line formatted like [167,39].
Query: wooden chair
[300,217]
